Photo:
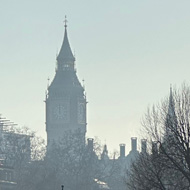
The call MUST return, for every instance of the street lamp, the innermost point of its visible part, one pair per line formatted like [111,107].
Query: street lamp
[62,187]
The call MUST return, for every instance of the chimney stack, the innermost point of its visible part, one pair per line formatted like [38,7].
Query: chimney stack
[90,144]
[143,146]
[122,150]
[134,143]
[154,148]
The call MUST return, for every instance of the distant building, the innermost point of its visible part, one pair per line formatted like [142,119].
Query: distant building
[65,99]
[6,178]
[119,166]
[123,158]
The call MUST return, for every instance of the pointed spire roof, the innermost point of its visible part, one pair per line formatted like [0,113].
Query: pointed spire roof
[105,149]
[171,119]
[104,155]
[65,54]
[171,110]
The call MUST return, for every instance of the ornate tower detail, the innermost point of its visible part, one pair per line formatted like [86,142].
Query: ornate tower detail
[65,100]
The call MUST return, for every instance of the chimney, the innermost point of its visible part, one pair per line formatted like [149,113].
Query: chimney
[143,145]
[134,143]
[122,150]
[90,144]
[154,148]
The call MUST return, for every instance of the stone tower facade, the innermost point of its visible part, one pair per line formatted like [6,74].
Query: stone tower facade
[65,99]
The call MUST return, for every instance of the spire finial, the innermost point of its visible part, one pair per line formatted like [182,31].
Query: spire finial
[48,82]
[170,89]
[83,83]
[65,21]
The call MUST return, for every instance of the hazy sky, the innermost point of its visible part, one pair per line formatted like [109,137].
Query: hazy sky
[127,51]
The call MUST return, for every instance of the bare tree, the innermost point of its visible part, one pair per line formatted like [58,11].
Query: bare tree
[154,171]
[167,124]
[20,147]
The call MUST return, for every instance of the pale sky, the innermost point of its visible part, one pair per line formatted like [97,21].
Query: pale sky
[128,52]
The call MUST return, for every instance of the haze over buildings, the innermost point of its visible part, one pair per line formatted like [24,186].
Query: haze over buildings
[128,53]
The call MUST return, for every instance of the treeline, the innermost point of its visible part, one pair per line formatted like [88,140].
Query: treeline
[69,162]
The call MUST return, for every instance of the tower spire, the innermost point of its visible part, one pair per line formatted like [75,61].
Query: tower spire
[65,21]
[65,56]
[65,101]
[171,120]
[171,103]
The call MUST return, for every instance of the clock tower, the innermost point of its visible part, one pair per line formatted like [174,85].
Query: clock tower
[65,99]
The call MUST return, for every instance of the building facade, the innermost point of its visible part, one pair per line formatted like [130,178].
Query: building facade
[6,178]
